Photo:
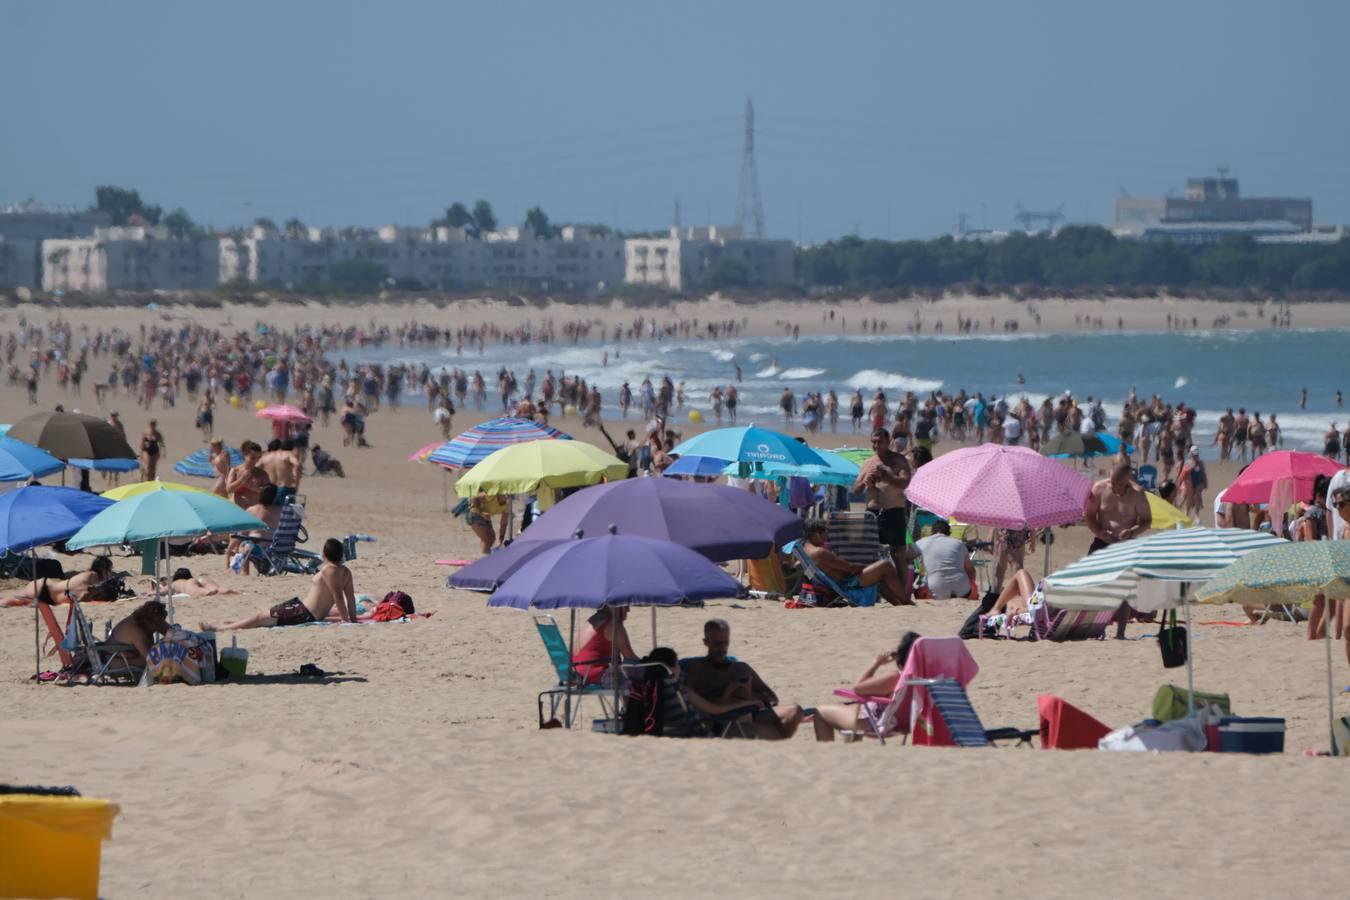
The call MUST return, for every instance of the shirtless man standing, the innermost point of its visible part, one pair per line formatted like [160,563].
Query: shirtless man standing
[282,465]
[220,462]
[332,589]
[883,478]
[1117,509]
[718,685]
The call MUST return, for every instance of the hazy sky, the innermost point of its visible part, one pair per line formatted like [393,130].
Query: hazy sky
[884,118]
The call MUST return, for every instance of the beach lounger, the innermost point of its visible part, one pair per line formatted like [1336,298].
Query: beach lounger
[962,723]
[908,710]
[854,536]
[862,596]
[569,691]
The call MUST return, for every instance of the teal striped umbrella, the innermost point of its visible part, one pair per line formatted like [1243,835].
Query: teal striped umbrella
[1183,554]
[1284,574]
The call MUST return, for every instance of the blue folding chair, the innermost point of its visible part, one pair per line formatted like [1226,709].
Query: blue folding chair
[569,691]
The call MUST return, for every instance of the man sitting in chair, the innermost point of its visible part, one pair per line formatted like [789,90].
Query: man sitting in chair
[718,685]
[849,575]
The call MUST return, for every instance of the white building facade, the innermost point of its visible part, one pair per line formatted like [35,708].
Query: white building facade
[129,258]
[682,261]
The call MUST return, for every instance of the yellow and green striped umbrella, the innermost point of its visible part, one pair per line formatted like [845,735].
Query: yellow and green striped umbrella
[1283,574]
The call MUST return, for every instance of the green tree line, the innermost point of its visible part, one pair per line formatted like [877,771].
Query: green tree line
[1075,257]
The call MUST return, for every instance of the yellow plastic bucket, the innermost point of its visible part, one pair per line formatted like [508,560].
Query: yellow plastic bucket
[50,846]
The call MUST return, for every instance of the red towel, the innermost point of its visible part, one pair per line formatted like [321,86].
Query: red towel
[1066,727]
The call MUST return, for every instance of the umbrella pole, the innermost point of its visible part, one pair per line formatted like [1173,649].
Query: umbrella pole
[164,557]
[654,630]
[1190,667]
[571,652]
[37,634]
[1331,691]
[1046,536]
[614,663]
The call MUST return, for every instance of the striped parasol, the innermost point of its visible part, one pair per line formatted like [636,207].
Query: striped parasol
[198,463]
[1186,554]
[466,450]
[1283,574]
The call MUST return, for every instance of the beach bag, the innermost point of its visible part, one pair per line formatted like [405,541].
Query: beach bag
[1170,702]
[403,600]
[107,590]
[1172,643]
[181,656]
[1181,735]
[395,605]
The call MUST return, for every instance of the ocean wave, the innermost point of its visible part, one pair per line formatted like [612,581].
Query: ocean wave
[892,381]
[799,373]
[723,355]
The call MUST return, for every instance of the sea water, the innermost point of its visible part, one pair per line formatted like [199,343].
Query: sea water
[1263,371]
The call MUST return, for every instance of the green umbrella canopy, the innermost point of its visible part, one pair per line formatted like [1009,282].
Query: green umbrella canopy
[163,514]
[1283,574]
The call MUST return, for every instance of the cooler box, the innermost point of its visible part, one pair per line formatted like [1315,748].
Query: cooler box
[1255,735]
[50,846]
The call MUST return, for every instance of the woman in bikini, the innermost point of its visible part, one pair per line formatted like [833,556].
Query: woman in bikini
[332,590]
[56,590]
[184,582]
[152,443]
[220,462]
[1013,545]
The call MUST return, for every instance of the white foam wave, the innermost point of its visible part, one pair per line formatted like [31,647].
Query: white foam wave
[871,379]
[770,372]
[799,373]
[724,355]
[1181,382]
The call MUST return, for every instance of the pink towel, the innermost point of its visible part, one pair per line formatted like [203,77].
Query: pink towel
[940,657]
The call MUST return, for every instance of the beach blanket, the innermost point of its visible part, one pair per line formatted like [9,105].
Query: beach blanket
[367,620]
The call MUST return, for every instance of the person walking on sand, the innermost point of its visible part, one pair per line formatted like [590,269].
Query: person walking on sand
[220,463]
[1192,482]
[1117,509]
[152,444]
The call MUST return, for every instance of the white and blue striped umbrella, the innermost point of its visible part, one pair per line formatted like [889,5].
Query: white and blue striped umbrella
[466,450]
[1113,575]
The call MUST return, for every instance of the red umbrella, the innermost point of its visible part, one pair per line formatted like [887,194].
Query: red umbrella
[284,413]
[1255,483]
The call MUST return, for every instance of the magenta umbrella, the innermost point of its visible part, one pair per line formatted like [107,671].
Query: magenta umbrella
[1000,486]
[1255,483]
[284,412]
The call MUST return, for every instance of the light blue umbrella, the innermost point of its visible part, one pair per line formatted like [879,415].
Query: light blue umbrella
[105,465]
[20,461]
[163,514]
[750,444]
[696,467]
[838,470]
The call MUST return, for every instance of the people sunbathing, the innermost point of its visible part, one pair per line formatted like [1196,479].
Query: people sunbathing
[872,683]
[332,588]
[184,582]
[848,575]
[57,590]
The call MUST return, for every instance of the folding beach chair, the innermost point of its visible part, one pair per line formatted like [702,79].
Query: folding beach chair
[962,722]
[1147,476]
[569,691]
[279,554]
[681,718]
[1059,625]
[854,536]
[101,662]
[861,596]
[1066,727]
[720,725]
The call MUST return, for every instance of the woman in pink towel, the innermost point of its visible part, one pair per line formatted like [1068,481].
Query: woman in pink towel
[844,717]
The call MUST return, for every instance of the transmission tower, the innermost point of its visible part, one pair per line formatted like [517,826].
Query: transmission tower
[749,205]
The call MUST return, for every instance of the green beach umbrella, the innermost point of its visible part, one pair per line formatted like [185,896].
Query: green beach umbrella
[1288,574]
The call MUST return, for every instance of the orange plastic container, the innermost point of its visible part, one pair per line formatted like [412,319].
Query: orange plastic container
[51,846]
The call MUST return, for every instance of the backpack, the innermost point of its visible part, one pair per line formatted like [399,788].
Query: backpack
[644,713]
[395,605]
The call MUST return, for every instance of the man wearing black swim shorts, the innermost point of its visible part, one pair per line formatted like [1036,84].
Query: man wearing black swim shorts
[882,479]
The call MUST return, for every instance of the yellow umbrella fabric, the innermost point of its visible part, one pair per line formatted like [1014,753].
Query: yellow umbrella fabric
[1165,515]
[145,487]
[523,468]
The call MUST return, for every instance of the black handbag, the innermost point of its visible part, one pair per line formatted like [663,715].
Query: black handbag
[1172,642]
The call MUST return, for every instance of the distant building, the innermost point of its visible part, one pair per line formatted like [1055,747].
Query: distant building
[680,262]
[129,258]
[23,228]
[1208,201]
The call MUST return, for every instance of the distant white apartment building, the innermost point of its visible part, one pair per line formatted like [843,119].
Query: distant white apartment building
[440,258]
[129,258]
[680,262]
[24,227]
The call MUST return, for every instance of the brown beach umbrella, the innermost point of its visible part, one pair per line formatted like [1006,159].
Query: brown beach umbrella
[72,436]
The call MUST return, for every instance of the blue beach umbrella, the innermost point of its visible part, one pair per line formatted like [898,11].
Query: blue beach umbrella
[696,467]
[478,443]
[105,465]
[20,461]
[750,444]
[838,470]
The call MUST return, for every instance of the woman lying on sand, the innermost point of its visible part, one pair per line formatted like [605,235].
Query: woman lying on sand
[55,590]
[184,582]
[829,719]
[332,587]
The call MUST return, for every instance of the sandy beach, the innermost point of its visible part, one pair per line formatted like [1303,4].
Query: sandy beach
[419,769]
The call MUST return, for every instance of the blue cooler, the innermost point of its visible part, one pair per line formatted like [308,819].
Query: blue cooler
[1254,735]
